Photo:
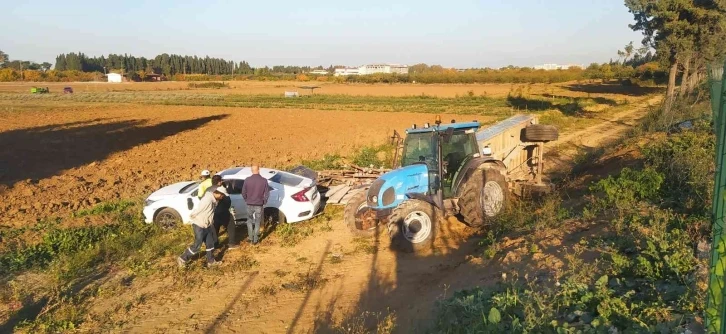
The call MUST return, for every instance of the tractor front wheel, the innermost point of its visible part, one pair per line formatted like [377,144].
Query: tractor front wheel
[360,219]
[412,226]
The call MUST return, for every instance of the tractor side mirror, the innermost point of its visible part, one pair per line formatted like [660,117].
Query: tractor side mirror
[448,134]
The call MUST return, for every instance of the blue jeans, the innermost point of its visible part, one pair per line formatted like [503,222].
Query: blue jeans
[208,236]
[253,223]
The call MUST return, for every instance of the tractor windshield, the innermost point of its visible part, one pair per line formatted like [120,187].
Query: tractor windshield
[420,148]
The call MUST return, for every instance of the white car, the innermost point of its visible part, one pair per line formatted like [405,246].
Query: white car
[292,198]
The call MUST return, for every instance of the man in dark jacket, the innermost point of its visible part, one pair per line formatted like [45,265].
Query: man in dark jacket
[222,213]
[255,191]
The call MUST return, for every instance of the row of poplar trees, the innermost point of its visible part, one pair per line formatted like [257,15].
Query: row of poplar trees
[162,64]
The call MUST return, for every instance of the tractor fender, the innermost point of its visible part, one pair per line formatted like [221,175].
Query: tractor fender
[425,198]
[471,166]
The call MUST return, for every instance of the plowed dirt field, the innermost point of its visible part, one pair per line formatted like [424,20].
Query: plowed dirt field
[55,160]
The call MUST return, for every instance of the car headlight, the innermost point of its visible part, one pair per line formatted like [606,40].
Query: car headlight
[149,202]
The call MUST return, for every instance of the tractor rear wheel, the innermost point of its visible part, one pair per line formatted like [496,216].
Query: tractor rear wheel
[412,226]
[483,196]
[360,219]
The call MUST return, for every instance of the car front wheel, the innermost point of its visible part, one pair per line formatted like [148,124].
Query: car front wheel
[167,219]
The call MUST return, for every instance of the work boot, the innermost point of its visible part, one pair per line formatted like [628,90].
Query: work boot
[186,255]
[210,255]
[181,262]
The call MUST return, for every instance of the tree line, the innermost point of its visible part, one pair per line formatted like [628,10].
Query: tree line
[164,64]
[687,37]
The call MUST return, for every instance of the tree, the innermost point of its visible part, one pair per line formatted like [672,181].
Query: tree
[4,58]
[671,27]
[626,52]
[45,66]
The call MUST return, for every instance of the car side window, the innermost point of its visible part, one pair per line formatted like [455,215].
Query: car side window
[234,186]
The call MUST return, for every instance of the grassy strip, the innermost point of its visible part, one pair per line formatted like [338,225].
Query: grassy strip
[648,277]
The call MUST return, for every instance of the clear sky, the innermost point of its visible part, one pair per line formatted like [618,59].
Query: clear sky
[455,33]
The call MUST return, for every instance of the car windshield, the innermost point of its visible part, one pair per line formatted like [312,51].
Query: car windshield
[188,188]
[420,148]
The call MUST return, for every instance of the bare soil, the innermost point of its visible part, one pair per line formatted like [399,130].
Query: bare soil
[58,160]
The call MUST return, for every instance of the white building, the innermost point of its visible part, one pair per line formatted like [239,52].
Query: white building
[114,77]
[551,67]
[372,69]
[346,71]
[319,72]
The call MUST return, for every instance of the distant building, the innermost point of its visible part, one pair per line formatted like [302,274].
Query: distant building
[551,67]
[372,69]
[346,71]
[114,77]
[319,72]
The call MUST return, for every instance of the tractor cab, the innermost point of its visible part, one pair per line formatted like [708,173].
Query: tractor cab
[443,148]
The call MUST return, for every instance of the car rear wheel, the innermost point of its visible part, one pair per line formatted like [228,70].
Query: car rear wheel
[167,219]
[274,216]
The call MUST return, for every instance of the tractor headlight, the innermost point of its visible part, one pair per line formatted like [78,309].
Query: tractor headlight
[374,199]
[389,196]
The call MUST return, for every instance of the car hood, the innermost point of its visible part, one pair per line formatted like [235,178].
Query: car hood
[170,190]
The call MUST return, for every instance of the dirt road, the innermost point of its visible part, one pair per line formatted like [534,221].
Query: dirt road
[331,278]
[609,129]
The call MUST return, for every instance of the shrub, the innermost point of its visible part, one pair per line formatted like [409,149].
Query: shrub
[211,84]
[624,192]
[687,162]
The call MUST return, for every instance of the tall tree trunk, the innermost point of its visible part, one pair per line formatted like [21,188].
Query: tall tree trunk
[696,76]
[670,93]
[684,78]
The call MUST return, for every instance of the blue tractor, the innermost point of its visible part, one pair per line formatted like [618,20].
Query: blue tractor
[451,169]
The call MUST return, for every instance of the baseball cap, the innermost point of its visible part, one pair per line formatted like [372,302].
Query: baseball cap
[205,173]
[222,189]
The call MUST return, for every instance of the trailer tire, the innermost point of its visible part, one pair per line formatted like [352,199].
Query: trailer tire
[540,133]
[356,213]
[483,197]
[412,226]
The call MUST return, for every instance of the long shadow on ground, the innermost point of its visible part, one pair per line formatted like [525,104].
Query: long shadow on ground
[40,152]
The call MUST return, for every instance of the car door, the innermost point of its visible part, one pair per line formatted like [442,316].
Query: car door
[190,201]
[234,188]
[276,195]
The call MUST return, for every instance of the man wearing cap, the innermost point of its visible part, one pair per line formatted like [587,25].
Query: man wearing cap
[223,214]
[205,184]
[202,222]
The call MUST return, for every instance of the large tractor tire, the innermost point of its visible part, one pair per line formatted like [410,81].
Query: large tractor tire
[412,226]
[483,196]
[540,133]
[359,218]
